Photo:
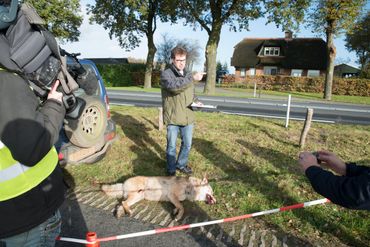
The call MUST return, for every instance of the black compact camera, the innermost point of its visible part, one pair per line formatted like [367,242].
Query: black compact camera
[317,157]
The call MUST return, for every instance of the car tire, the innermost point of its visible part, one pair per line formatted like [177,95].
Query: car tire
[89,128]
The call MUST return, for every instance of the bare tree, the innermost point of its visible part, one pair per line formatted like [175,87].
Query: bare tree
[168,43]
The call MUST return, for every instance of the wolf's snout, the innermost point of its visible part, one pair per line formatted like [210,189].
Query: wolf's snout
[210,199]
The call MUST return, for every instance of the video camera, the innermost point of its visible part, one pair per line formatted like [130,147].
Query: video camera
[31,51]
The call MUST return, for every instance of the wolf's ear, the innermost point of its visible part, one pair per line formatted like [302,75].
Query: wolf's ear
[205,180]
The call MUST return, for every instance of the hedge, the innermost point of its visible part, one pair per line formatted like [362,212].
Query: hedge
[123,75]
[341,86]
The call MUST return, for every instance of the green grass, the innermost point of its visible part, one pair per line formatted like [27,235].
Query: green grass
[250,163]
[247,93]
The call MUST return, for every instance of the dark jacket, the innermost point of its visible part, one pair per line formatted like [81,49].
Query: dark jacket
[177,96]
[29,131]
[350,191]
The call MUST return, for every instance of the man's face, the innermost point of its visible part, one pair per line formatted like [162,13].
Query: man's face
[179,61]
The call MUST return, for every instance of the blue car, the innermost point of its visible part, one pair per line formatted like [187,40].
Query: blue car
[87,138]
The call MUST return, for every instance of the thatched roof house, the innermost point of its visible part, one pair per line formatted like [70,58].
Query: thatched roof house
[280,56]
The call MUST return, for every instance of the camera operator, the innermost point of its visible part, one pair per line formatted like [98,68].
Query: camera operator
[350,188]
[31,181]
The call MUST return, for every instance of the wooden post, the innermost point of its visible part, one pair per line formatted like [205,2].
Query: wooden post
[306,127]
[160,118]
[259,92]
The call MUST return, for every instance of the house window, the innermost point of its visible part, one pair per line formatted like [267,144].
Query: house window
[242,72]
[270,70]
[313,73]
[296,72]
[252,71]
[272,51]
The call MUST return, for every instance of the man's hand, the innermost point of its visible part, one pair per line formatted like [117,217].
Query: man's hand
[198,76]
[333,162]
[54,94]
[306,160]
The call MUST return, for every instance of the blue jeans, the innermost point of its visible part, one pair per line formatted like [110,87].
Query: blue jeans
[43,235]
[186,133]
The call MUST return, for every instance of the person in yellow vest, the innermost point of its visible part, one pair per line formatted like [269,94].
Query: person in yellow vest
[31,181]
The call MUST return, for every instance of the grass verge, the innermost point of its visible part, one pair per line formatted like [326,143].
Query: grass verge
[251,164]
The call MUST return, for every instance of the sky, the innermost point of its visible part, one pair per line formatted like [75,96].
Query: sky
[94,41]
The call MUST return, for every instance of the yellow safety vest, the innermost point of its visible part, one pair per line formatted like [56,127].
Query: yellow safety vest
[16,178]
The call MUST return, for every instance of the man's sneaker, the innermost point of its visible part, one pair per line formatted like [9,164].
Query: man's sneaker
[187,170]
[171,173]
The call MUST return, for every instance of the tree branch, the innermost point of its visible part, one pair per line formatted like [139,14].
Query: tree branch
[197,17]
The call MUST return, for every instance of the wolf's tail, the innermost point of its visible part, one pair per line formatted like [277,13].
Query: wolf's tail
[113,190]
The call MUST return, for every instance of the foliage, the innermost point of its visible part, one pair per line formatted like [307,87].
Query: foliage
[128,21]
[220,66]
[211,16]
[342,86]
[333,16]
[234,13]
[117,75]
[359,41]
[286,13]
[121,75]
[62,17]
[365,73]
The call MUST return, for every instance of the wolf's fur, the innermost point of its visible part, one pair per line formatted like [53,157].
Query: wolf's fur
[173,189]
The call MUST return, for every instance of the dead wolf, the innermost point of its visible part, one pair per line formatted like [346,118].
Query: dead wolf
[173,189]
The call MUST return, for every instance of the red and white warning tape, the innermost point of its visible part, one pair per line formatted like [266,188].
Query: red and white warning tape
[184,227]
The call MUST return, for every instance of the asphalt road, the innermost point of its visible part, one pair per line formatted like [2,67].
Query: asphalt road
[87,210]
[327,112]
[78,219]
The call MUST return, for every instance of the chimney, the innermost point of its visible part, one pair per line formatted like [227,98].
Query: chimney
[288,34]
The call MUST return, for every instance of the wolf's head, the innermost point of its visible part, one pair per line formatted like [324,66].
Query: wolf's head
[203,192]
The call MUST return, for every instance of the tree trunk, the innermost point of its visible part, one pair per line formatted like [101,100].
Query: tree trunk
[149,62]
[211,56]
[331,53]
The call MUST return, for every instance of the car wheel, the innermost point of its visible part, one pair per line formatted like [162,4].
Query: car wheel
[89,128]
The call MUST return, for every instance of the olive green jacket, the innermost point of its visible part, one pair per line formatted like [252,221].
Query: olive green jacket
[177,96]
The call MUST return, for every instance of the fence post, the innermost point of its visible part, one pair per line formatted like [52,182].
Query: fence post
[160,118]
[288,111]
[306,128]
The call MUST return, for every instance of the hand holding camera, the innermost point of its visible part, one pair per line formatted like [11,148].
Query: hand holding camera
[306,160]
[322,159]
[54,94]
[332,161]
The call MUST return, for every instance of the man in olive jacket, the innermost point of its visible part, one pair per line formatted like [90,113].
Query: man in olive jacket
[177,96]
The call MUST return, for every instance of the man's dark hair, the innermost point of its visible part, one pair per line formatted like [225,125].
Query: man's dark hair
[178,50]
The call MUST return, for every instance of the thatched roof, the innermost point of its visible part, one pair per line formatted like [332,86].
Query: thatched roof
[297,53]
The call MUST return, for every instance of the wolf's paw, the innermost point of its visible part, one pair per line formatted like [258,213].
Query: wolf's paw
[178,218]
[119,211]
